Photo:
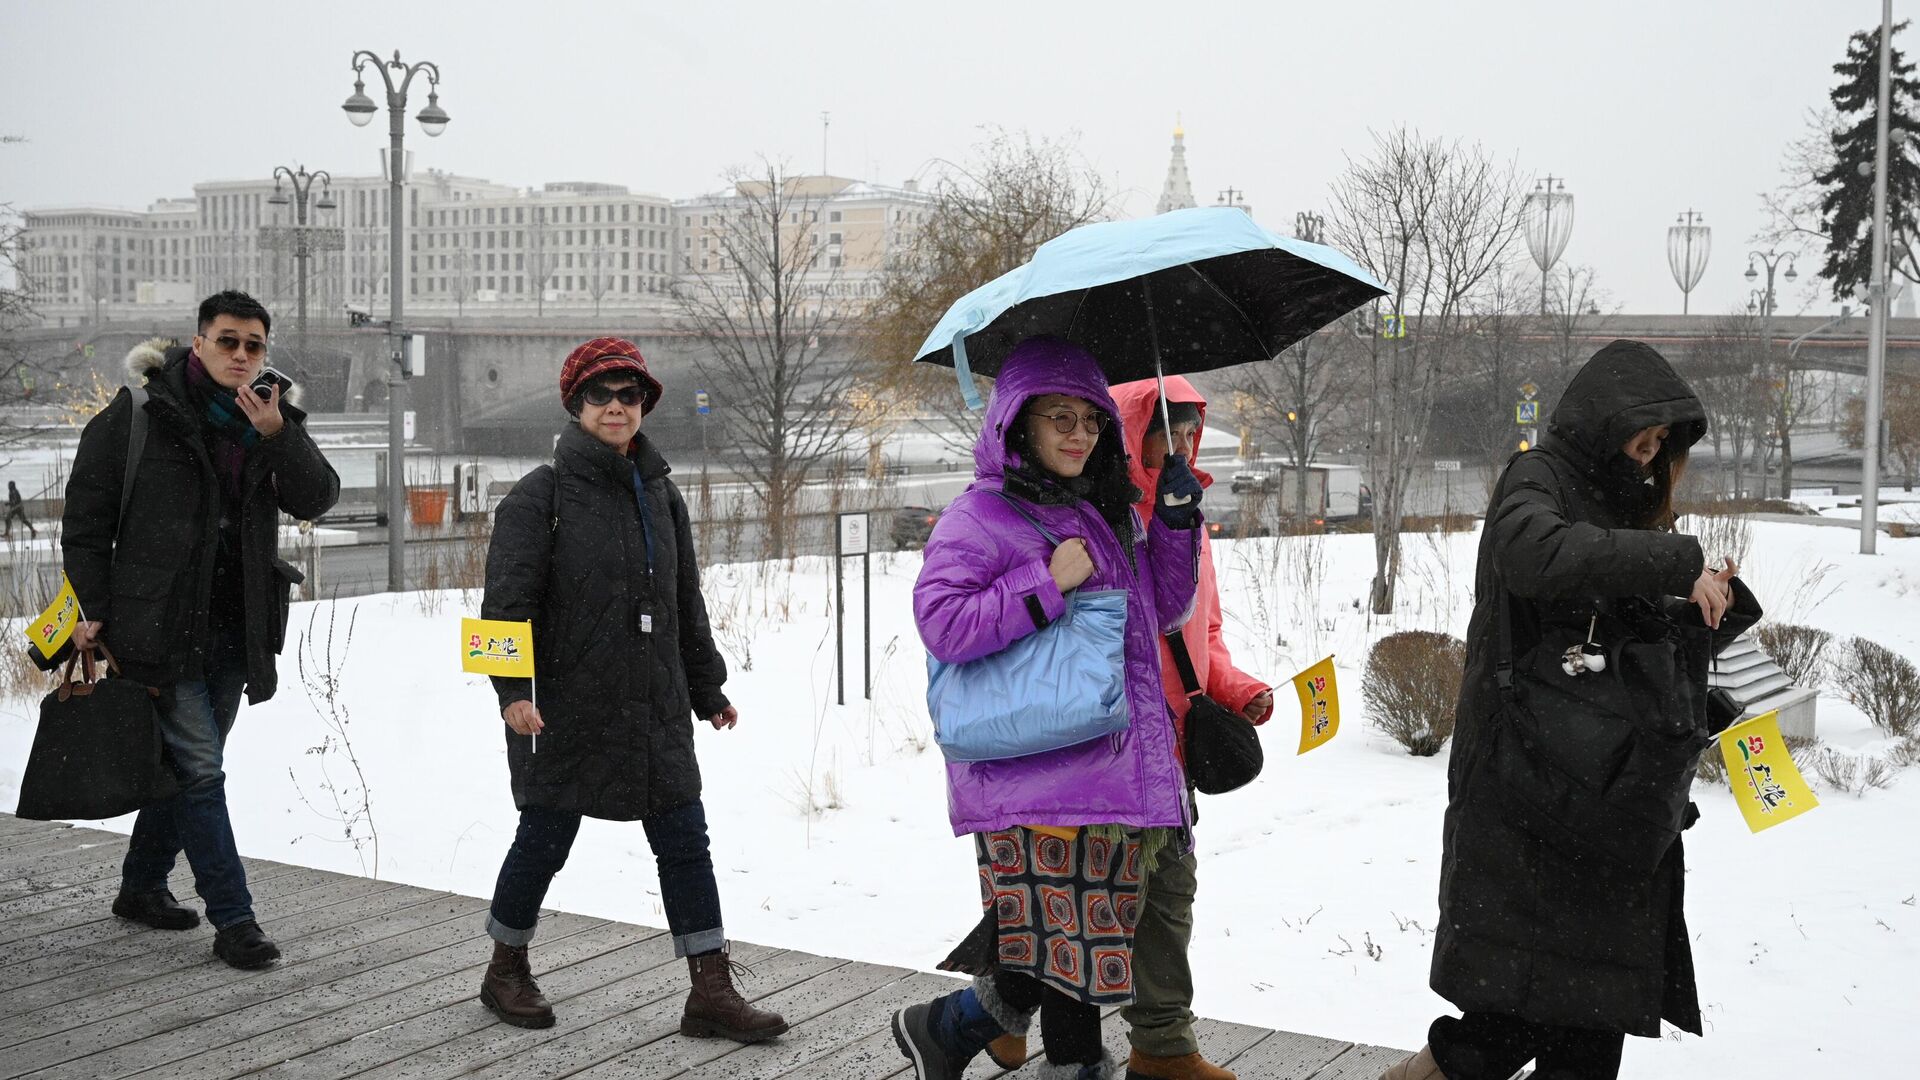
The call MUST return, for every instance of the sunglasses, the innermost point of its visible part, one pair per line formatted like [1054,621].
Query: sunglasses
[1065,422]
[601,395]
[229,344]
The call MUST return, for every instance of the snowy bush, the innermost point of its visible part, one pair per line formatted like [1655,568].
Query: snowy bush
[1853,773]
[1411,685]
[1799,650]
[1881,683]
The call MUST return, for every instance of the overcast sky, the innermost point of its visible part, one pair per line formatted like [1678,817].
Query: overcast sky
[1646,106]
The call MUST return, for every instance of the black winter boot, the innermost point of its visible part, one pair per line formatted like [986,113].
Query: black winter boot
[245,946]
[157,909]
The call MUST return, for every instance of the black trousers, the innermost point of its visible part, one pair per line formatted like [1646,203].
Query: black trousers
[1493,1046]
[1069,1027]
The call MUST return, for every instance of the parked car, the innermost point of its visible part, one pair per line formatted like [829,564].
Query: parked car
[912,525]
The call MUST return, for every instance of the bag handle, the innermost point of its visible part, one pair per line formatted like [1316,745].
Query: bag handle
[1021,509]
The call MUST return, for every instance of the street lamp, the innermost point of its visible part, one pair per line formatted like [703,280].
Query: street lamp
[1549,223]
[1689,243]
[1766,300]
[1309,226]
[301,181]
[433,120]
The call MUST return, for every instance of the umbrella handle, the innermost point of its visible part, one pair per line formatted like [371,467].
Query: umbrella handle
[963,373]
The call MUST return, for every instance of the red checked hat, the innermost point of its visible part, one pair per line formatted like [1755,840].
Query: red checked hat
[601,356]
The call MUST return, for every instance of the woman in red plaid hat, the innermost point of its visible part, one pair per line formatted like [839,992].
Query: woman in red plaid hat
[597,551]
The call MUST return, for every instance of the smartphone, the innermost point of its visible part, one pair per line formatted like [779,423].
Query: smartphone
[264,383]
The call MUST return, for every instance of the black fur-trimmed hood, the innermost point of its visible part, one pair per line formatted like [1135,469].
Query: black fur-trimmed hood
[151,355]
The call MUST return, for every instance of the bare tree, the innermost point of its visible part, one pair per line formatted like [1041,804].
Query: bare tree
[598,280]
[1728,376]
[462,282]
[542,260]
[1902,418]
[765,315]
[1435,219]
[1499,354]
[1301,394]
[984,218]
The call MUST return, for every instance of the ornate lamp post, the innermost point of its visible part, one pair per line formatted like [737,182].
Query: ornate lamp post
[1309,226]
[1765,301]
[1549,224]
[301,181]
[433,120]
[1689,244]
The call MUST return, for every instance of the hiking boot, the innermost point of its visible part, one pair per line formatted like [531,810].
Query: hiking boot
[716,1009]
[245,946]
[157,909]
[509,992]
[1420,1066]
[1184,1067]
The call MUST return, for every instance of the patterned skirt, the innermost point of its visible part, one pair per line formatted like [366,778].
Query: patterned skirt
[1060,910]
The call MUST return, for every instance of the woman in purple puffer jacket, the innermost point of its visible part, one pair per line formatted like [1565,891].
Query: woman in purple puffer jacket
[1063,837]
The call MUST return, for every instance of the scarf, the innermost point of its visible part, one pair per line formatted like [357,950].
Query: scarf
[232,434]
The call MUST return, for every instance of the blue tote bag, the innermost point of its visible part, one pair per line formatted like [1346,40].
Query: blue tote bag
[1061,685]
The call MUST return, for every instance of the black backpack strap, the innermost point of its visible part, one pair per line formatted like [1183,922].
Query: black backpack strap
[136,445]
[1183,663]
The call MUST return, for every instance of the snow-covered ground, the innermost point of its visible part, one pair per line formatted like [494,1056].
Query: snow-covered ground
[1318,882]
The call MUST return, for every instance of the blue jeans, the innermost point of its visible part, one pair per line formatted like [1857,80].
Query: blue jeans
[679,841]
[194,721]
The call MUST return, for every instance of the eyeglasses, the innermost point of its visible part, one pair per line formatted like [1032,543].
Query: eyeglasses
[1065,422]
[229,344]
[601,395]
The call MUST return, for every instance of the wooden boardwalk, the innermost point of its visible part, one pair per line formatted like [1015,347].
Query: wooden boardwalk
[379,981]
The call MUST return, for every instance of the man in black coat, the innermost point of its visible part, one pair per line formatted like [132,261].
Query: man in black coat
[1561,924]
[596,550]
[178,573]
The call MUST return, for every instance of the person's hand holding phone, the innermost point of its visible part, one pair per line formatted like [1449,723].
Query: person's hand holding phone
[260,400]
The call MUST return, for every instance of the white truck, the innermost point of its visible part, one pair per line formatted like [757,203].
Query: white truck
[1334,492]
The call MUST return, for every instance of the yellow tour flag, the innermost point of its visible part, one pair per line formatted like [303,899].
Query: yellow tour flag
[495,647]
[1765,782]
[1319,705]
[55,625]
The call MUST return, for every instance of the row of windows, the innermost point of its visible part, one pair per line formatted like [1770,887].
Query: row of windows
[492,215]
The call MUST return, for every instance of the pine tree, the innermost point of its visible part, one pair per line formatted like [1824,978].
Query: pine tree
[1846,208]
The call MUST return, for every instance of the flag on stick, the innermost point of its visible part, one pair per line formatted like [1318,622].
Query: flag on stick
[1319,705]
[496,647]
[1765,782]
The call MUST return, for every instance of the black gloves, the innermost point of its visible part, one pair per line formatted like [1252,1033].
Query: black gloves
[1177,502]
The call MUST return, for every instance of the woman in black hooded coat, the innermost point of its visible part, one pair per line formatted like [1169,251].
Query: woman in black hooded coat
[1561,926]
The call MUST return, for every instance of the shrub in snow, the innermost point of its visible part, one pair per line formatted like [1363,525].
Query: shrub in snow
[1799,650]
[1411,685]
[1881,683]
[1852,773]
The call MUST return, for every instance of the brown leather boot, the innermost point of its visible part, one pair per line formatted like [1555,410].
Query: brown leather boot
[1185,1067]
[1420,1066]
[510,992]
[715,1008]
[1008,1051]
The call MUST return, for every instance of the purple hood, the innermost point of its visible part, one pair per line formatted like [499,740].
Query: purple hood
[985,584]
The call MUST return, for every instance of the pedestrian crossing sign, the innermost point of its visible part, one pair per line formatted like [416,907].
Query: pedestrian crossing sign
[1526,412]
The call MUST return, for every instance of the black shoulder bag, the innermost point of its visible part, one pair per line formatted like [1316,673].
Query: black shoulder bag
[1222,748]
